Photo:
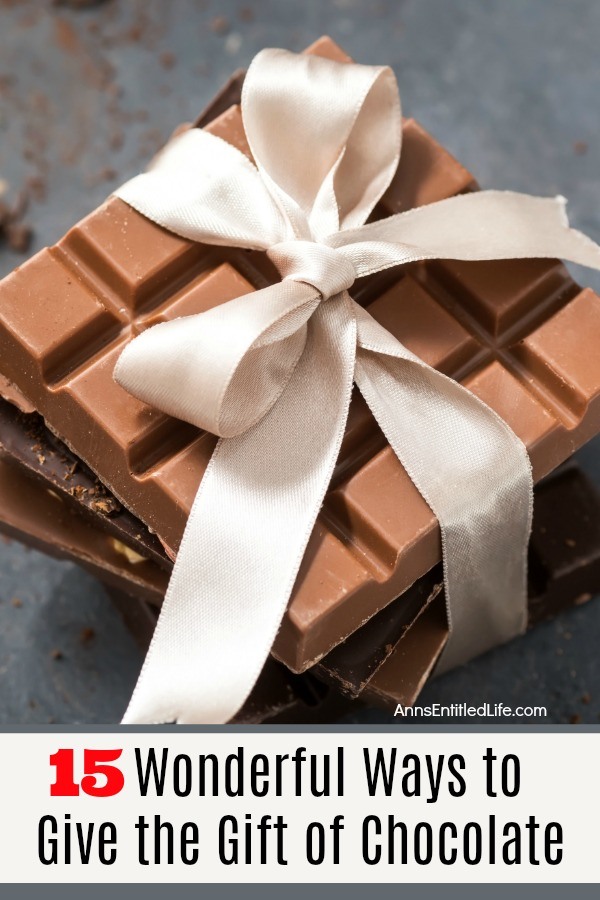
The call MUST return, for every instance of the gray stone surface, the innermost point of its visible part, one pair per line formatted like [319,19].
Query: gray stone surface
[86,96]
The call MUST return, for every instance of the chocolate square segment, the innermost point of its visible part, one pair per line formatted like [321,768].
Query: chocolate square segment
[519,334]
[419,322]
[560,356]
[503,298]
[426,173]
[52,321]
[130,260]
[207,290]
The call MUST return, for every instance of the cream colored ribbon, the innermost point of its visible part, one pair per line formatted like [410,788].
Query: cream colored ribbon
[272,374]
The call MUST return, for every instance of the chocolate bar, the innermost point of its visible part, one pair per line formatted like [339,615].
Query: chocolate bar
[519,334]
[25,440]
[68,486]
[352,664]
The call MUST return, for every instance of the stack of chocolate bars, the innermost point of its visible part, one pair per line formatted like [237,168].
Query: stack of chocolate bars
[89,473]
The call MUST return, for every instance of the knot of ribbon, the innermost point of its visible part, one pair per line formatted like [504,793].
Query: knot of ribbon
[272,373]
[324,268]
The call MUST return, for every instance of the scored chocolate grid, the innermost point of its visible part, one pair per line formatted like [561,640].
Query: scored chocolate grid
[136,306]
[137,315]
[139,307]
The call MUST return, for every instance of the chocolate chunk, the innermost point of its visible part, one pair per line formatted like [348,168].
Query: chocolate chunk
[564,557]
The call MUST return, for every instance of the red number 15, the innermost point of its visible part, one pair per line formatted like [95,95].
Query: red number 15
[95,763]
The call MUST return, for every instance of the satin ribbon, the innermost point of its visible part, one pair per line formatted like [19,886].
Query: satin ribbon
[271,373]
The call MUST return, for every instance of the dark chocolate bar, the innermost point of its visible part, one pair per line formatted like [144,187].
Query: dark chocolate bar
[25,440]
[520,334]
[39,516]
[351,665]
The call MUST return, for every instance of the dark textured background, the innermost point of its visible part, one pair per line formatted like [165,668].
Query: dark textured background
[86,97]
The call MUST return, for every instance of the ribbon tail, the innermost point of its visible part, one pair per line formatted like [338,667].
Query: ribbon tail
[245,539]
[482,225]
[474,473]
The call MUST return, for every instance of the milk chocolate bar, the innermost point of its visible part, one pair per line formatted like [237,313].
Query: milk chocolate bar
[520,334]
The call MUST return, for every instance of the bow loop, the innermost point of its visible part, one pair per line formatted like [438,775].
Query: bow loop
[326,162]
[230,364]
[187,188]
[328,270]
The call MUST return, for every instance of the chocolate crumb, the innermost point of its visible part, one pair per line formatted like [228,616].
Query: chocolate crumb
[18,236]
[586,698]
[78,4]
[36,185]
[167,60]
[220,25]
[4,214]
[17,602]
[103,506]
[575,719]
[86,635]
[57,654]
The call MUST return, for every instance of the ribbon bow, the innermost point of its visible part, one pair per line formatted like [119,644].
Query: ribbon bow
[271,373]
